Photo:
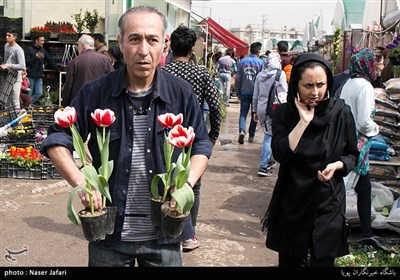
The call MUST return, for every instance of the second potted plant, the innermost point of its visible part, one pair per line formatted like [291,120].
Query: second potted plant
[172,202]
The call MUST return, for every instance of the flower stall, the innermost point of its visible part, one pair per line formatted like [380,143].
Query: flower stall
[19,149]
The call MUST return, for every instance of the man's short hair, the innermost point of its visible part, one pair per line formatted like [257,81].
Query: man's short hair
[283,46]
[99,37]
[183,40]
[255,47]
[13,32]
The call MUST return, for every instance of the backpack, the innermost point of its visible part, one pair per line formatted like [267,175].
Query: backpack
[277,94]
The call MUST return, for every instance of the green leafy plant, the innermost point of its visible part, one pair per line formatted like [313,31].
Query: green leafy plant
[91,20]
[396,71]
[367,256]
[79,21]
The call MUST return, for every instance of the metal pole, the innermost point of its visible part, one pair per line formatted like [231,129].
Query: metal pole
[205,53]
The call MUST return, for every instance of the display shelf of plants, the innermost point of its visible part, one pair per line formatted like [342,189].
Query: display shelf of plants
[19,150]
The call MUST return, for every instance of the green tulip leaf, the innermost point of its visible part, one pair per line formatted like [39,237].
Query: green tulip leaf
[71,212]
[78,144]
[184,198]
[154,186]
[91,176]
[104,188]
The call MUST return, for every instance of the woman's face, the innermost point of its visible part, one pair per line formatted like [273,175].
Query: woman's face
[312,86]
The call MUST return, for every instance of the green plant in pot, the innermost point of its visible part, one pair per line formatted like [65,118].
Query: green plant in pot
[95,180]
[91,20]
[175,195]
[396,71]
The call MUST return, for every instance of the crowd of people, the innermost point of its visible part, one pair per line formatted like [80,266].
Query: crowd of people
[95,60]
[318,133]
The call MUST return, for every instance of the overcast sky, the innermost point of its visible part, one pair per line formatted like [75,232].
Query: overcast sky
[278,13]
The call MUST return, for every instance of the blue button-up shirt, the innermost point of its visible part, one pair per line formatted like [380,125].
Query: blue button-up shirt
[170,95]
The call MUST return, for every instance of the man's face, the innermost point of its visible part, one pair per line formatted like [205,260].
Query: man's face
[40,42]
[79,47]
[10,38]
[142,44]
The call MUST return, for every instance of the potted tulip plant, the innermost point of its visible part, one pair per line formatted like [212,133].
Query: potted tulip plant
[95,180]
[176,198]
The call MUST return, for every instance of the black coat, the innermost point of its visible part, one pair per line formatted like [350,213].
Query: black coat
[303,209]
[36,66]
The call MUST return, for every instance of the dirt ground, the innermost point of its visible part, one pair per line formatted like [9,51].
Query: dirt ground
[233,200]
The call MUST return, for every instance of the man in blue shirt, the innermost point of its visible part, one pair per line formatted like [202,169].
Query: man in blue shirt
[248,69]
[138,93]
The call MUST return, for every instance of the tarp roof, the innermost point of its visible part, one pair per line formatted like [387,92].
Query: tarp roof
[226,38]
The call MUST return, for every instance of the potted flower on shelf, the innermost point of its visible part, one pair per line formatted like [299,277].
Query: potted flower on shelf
[24,163]
[40,31]
[172,201]
[94,223]
[67,34]
[394,51]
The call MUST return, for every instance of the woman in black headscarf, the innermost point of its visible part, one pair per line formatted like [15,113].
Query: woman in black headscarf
[117,58]
[314,140]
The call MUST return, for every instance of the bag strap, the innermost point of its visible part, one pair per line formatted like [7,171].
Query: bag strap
[270,101]
[278,75]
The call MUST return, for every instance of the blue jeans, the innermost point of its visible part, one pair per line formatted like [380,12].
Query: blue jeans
[146,254]
[266,151]
[225,80]
[36,86]
[245,105]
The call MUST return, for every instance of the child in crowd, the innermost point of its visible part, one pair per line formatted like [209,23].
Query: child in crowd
[24,96]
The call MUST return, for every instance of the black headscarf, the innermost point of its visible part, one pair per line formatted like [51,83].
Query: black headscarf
[322,115]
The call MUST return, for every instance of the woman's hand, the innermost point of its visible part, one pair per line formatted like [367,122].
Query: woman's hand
[327,173]
[306,112]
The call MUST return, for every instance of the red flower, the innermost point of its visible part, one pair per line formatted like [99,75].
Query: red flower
[181,137]
[103,118]
[66,117]
[177,173]
[169,120]
[96,179]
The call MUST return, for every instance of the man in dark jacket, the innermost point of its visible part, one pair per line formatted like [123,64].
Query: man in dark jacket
[36,58]
[85,68]
[138,94]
